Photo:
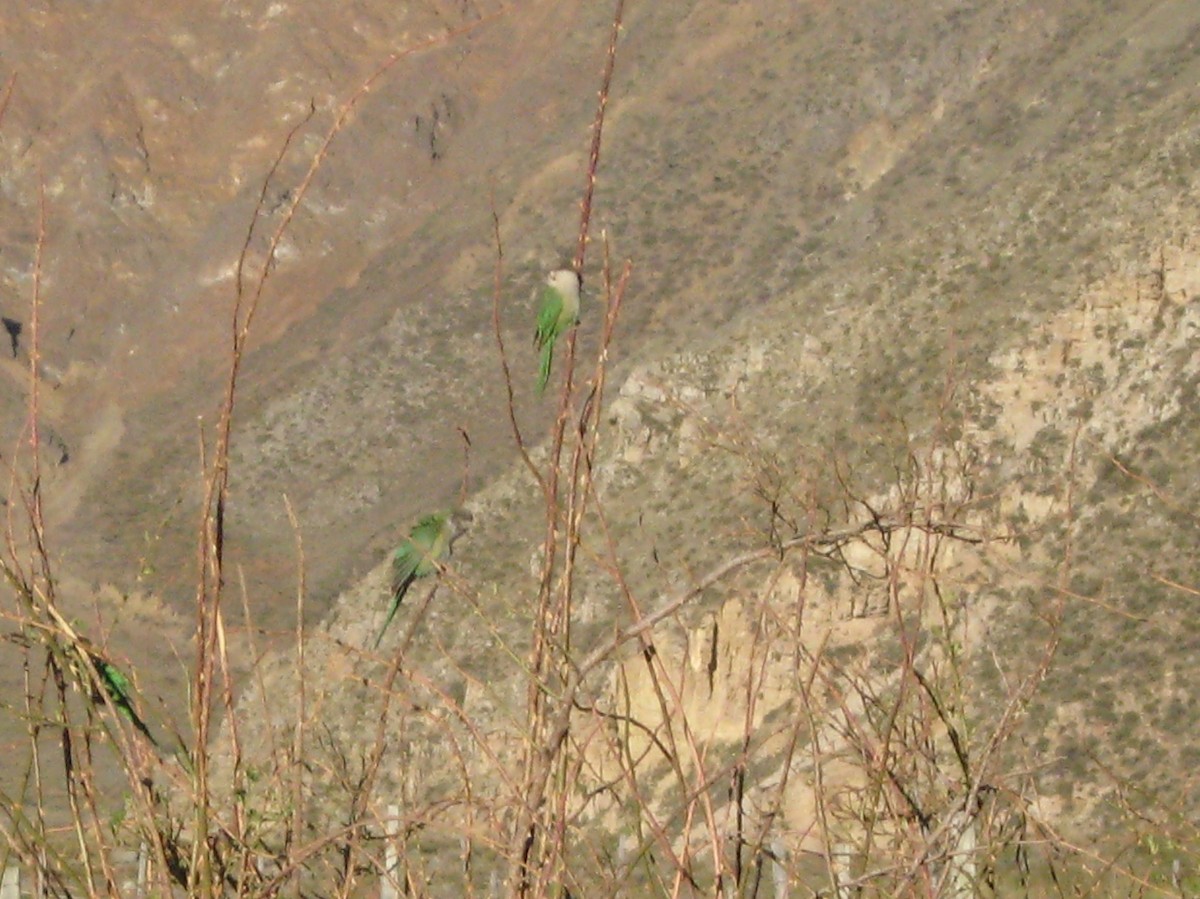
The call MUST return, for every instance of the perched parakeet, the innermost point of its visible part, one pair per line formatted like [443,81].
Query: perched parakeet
[120,691]
[559,312]
[418,556]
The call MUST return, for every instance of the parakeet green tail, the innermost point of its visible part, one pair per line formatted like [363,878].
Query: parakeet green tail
[544,366]
[558,313]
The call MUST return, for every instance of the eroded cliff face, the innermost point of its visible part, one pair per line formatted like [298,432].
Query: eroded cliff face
[962,579]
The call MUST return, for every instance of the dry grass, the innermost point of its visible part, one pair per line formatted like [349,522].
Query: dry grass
[840,726]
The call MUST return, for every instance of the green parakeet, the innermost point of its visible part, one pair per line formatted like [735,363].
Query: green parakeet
[418,556]
[119,690]
[559,312]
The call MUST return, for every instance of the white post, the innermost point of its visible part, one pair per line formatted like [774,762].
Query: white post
[841,857]
[779,874]
[143,870]
[10,883]
[627,843]
[389,887]
[963,867]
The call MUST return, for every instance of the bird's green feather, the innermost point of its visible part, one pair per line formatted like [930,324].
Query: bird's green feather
[548,326]
[120,692]
[417,557]
[544,365]
[115,682]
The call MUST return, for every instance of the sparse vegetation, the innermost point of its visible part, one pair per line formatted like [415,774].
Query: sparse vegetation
[858,667]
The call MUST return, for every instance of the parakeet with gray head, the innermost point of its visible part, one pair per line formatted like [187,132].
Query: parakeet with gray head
[428,543]
[558,313]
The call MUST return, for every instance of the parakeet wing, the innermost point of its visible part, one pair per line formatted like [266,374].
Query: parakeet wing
[120,691]
[416,557]
[547,320]
[405,563]
[428,541]
[115,682]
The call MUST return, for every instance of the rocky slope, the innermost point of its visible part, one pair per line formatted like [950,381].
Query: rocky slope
[934,254]
[972,291]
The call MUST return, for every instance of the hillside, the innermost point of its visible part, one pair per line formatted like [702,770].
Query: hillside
[910,328]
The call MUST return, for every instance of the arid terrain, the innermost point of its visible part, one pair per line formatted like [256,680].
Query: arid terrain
[923,274]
